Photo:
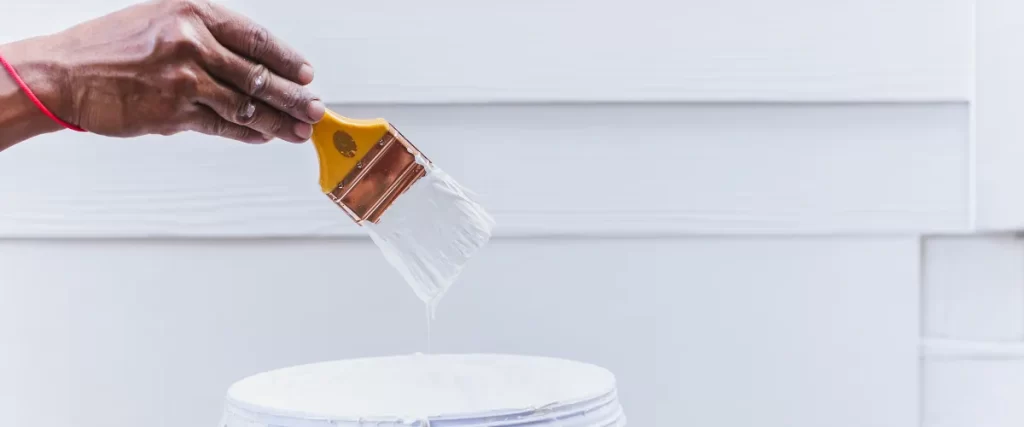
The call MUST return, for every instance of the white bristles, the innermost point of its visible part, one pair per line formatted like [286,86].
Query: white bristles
[430,232]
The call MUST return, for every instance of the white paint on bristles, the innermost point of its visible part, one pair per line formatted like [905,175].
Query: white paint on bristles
[434,390]
[430,232]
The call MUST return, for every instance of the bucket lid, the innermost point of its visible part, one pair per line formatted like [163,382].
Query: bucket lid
[435,390]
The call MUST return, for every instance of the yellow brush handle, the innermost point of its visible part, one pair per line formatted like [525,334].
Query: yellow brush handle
[341,143]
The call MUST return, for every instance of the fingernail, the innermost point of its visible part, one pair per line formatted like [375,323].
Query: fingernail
[305,74]
[303,130]
[316,110]
[248,110]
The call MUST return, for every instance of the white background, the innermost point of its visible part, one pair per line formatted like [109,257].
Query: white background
[787,214]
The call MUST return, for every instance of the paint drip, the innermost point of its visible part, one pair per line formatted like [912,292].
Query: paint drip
[429,234]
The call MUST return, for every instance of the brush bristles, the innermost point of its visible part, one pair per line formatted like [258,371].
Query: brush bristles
[430,232]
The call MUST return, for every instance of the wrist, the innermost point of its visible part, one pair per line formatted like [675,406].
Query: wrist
[38,64]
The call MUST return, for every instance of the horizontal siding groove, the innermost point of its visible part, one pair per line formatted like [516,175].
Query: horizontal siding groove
[582,226]
[691,103]
[499,234]
[641,102]
[1012,232]
[441,97]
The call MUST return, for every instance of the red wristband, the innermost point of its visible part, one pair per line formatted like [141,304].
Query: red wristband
[39,104]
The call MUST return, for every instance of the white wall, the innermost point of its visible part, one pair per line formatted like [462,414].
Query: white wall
[579,50]
[603,169]
[699,331]
[973,351]
[754,213]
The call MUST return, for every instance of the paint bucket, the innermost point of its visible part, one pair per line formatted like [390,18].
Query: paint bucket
[472,390]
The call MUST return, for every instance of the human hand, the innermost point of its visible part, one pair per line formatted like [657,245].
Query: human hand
[168,66]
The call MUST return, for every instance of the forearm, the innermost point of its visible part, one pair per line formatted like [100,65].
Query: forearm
[20,119]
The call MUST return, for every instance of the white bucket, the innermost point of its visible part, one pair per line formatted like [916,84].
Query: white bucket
[428,390]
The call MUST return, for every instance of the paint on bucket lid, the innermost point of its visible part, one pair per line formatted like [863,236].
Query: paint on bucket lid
[471,390]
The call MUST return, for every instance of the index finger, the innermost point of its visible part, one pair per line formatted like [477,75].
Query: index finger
[249,39]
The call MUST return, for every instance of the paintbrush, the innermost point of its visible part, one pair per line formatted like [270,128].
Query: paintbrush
[426,224]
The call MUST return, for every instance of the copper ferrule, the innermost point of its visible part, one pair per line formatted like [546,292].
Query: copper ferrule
[384,173]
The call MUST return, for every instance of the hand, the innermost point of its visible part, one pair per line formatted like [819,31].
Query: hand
[169,66]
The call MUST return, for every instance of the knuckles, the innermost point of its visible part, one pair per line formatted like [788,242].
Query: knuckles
[182,81]
[180,31]
[180,39]
[188,8]
[259,40]
[277,123]
[220,127]
[246,112]
[258,79]
[293,98]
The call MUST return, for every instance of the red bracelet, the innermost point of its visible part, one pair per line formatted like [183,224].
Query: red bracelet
[39,104]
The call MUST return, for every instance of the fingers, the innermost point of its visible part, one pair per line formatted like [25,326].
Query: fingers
[245,55]
[261,83]
[248,39]
[254,81]
[205,120]
[241,110]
